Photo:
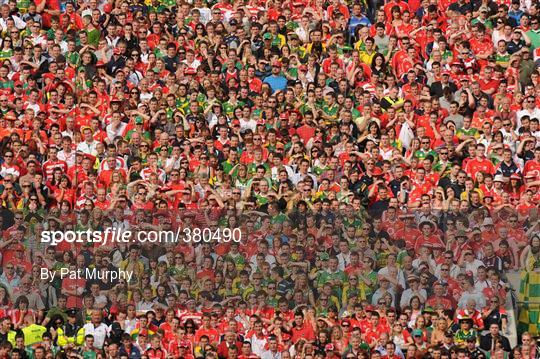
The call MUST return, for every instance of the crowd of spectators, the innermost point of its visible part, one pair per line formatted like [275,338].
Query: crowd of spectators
[379,164]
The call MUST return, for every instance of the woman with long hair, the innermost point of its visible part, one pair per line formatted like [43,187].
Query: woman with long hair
[466,104]
[66,212]
[497,138]
[201,36]
[439,202]
[302,284]
[54,182]
[439,332]
[21,309]
[64,191]
[421,323]
[372,133]
[5,301]
[514,186]
[7,49]
[517,353]
[400,336]
[204,168]
[379,66]
[145,283]
[415,146]
[227,289]
[135,296]
[394,139]
[338,338]
[416,318]
[65,261]
[159,274]
[190,328]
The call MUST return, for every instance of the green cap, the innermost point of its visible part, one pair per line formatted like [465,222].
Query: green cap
[417,333]
[324,256]
[267,36]
[364,346]
[428,310]
[138,120]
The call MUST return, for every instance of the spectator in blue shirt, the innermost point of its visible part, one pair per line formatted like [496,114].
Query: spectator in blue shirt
[276,80]
[357,18]
[515,12]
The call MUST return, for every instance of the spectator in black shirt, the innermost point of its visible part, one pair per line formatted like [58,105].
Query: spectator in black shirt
[507,167]
[117,62]
[517,43]
[461,6]
[472,351]
[377,231]
[396,183]
[381,204]
[459,187]
[488,341]
[171,59]
[450,179]
[6,334]
[494,314]
[491,260]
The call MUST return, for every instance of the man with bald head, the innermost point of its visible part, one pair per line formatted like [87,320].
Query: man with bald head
[97,328]
[231,340]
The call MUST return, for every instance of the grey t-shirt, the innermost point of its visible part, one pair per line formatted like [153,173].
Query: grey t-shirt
[382,42]
[456,119]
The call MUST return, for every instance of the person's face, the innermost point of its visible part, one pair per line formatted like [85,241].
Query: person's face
[494,329]
[6,325]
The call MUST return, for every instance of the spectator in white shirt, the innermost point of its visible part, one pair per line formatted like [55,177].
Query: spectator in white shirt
[97,329]
[273,351]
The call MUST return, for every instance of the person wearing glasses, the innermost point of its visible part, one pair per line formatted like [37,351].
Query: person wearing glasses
[9,168]
[529,109]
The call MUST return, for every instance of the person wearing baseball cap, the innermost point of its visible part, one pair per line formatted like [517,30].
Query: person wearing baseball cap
[72,332]
[419,337]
